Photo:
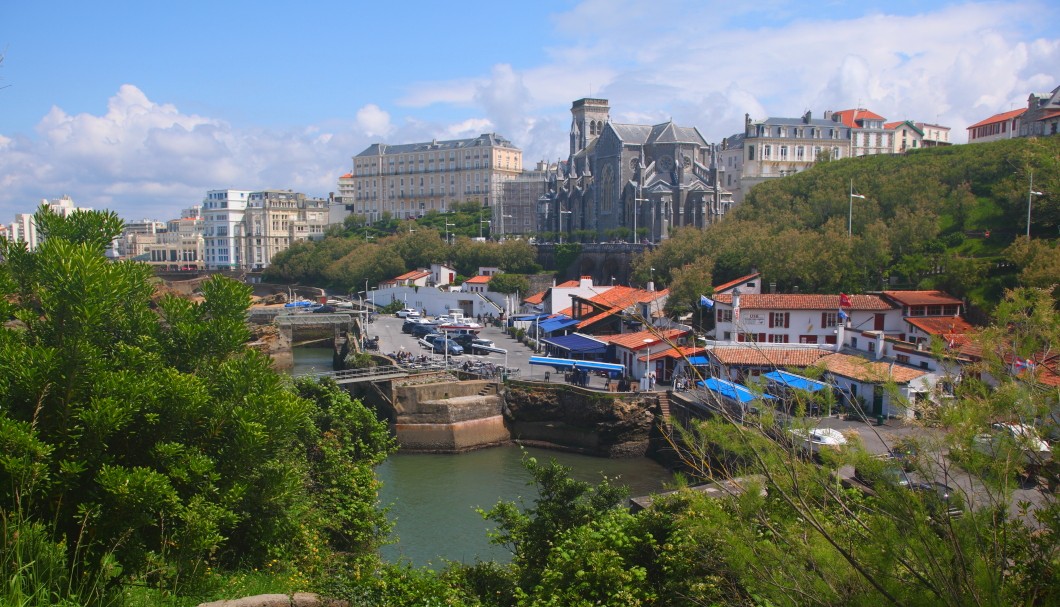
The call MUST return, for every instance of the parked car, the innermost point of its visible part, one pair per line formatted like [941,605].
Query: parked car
[447,346]
[813,440]
[407,313]
[1033,449]
[939,499]
[325,309]
[886,471]
[423,329]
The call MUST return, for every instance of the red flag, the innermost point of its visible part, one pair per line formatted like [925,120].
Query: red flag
[844,301]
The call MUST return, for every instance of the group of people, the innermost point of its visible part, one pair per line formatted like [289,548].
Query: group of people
[578,377]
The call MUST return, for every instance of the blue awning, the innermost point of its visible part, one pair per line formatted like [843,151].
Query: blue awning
[556,323]
[731,391]
[566,363]
[529,317]
[698,360]
[795,381]
[576,343]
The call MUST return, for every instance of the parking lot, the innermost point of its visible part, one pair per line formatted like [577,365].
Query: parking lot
[393,342]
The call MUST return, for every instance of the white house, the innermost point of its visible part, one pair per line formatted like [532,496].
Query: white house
[798,318]
[881,388]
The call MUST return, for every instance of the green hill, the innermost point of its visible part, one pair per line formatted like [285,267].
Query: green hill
[953,218]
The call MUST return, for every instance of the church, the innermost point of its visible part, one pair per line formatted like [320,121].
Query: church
[626,178]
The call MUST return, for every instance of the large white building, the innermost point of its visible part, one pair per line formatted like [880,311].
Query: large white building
[407,180]
[276,219]
[223,212]
[24,228]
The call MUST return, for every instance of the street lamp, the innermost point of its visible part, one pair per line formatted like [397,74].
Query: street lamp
[1030,196]
[561,214]
[447,226]
[850,213]
[480,222]
[647,362]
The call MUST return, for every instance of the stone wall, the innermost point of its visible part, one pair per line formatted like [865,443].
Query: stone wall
[596,423]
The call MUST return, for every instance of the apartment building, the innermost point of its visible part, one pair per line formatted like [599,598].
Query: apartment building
[408,180]
[868,136]
[778,147]
[222,213]
[276,219]
[24,228]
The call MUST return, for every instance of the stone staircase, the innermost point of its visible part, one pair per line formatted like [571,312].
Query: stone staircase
[489,389]
[664,408]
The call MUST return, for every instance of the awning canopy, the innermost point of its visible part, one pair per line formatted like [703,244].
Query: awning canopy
[795,381]
[566,363]
[731,391]
[556,323]
[576,343]
[698,360]
[529,317]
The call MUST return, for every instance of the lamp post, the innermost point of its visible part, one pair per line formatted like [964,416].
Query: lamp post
[447,226]
[1030,196]
[850,213]
[647,364]
[503,217]
[480,222]
[561,214]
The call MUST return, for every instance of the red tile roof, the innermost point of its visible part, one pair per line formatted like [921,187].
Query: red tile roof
[922,298]
[536,298]
[413,275]
[613,301]
[861,369]
[1002,117]
[635,341]
[941,325]
[767,357]
[1049,114]
[679,353]
[850,117]
[568,284]
[791,301]
[478,280]
[738,281]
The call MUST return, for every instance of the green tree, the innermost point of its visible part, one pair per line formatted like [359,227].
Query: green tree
[510,283]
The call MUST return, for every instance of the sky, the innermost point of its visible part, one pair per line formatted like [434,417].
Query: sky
[141,109]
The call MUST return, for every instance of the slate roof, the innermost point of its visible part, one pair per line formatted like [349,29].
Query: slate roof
[484,140]
[793,301]
[632,133]
[922,298]
[767,357]
[861,369]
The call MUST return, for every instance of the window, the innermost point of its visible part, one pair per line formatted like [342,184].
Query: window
[724,315]
[767,151]
[779,319]
[778,338]
[807,339]
[750,152]
[783,152]
[829,319]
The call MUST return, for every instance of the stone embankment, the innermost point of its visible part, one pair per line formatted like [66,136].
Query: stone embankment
[299,599]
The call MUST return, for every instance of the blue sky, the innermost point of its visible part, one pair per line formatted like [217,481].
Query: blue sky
[140,109]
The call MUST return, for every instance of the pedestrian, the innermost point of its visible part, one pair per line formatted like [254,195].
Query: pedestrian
[651,381]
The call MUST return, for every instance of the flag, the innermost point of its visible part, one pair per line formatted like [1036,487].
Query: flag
[1022,364]
[706,302]
[843,315]
[844,301]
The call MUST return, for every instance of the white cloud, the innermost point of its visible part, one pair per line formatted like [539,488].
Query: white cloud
[373,120]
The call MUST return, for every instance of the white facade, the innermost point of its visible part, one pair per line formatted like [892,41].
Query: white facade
[223,212]
[799,319]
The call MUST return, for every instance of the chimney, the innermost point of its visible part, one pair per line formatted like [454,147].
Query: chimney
[651,285]
[879,345]
[736,298]
[585,282]
[773,288]
[828,115]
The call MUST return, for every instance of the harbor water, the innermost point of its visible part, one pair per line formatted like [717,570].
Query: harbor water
[432,498]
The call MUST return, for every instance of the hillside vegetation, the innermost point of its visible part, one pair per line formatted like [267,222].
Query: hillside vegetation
[953,218]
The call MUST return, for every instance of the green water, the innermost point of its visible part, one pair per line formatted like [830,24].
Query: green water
[432,498]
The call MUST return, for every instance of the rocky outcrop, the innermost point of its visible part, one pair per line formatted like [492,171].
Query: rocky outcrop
[596,423]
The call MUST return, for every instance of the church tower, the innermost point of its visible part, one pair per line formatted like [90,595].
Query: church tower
[589,118]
